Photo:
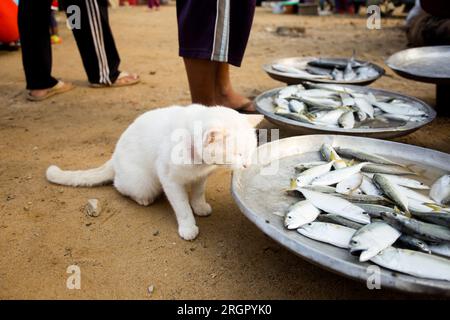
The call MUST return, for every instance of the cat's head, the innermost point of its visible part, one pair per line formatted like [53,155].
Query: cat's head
[228,138]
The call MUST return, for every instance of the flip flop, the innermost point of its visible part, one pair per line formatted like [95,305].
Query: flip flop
[134,79]
[58,88]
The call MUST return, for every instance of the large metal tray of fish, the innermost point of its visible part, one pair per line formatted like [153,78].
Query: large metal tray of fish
[301,192]
[428,64]
[337,109]
[324,70]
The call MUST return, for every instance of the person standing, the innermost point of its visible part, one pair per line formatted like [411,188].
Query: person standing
[153,4]
[94,40]
[213,34]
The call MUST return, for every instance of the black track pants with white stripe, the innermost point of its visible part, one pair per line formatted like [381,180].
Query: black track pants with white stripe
[95,40]
[34,28]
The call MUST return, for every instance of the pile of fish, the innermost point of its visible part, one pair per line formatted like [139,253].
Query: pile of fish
[376,208]
[336,106]
[331,69]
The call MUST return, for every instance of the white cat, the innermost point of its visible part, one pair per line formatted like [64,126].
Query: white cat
[170,150]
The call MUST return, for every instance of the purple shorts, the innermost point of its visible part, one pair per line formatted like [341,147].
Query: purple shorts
[215,30]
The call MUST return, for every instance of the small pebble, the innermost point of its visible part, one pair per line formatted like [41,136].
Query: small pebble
[150,289]
[93,208]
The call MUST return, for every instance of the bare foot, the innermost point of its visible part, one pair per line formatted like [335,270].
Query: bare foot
[231,99]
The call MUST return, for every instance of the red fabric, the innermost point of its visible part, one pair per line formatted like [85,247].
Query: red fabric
[9,30]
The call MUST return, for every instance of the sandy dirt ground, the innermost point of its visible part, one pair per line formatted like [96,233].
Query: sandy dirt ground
[128,248]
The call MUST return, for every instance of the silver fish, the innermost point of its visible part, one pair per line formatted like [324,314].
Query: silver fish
[338,175]
[414,263]
[296,106]
[392,191]
[374,210]
[364,156]
[330,233]
[349,184]
[416,228]
[388,169]
[328,153]
[364,106]
[406,182]
[336,205]
[301,213]
[309,175]
[347,120]
[307,165]
[372,239]
[408,242]
[440,190]
[411,194]
[442,249]
[349,74]
[337,219]
[439,218]
[368,187]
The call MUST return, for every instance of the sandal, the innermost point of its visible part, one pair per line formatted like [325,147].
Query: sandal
[248,108]
[121,81]
[58,88]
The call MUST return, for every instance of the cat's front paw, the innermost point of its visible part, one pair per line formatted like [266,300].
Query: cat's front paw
[202,209]
[188,232]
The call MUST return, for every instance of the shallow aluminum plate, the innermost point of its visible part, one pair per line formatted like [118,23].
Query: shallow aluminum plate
[264,105]
[301,62]
[259,196]
[426,64]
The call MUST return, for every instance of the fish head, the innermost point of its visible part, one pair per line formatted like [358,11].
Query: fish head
[357,245]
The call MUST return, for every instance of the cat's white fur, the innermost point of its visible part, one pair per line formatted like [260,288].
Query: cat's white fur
[147,161]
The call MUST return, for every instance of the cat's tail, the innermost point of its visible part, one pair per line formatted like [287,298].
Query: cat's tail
[82,178]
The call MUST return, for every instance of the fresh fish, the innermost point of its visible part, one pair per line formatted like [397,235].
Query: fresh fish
[288,91]
[281,103]
[349,74]
[299,214]
[388,169]
[364,106]
[336,205]
[337,219]
[419,206]
[309,175]
[330,233]
[366,72]
[318,71]
[333,63]
[416,228]
[374,210]
[331,117]
[442,249]
[368,187]
[296,116]
[438,218]
[372,239]
[337,75]
[406,182]
[411,194]
[296,72]
[321,189]
[408,242]
[347,99]
[296,106]
[392,191]
[406,110]
[307,165]
[415,263]
[329,154]
[338,175]
[330,87]
[440,190]
[317,93]
[400,117]
[363,156]
[347,120]
[321,103]
[350,184]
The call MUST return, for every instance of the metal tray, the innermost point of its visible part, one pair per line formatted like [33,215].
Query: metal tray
[426,64]
[302,61]
[264,106]
[259,195]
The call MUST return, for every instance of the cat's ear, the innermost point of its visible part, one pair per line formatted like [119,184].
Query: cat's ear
[213,136]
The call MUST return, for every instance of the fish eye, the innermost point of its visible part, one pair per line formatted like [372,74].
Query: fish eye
[354,242]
